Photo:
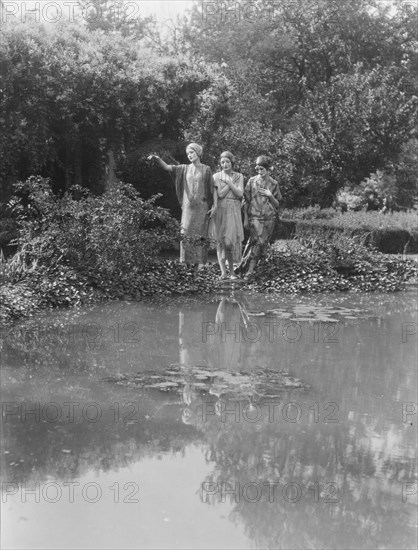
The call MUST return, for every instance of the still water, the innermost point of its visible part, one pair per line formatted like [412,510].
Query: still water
[100,449]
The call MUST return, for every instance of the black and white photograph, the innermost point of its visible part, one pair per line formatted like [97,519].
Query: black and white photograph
[209,274]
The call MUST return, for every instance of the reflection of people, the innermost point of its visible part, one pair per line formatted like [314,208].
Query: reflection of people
[194,189]
[261,203]
[226,346]
[228,224]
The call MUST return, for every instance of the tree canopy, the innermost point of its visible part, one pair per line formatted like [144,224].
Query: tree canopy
[328,90]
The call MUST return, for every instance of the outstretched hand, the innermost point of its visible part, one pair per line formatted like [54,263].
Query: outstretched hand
[152,157]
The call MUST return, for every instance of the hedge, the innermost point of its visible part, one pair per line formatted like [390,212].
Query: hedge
[389,233]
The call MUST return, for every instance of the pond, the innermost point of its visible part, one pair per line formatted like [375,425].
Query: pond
[230,421]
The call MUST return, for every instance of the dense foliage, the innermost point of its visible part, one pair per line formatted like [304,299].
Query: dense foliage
[78,247]
[327,89]
[322,260]
[73,97]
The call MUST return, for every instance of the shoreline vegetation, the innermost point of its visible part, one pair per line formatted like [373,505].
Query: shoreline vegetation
[78,248]
[390,233]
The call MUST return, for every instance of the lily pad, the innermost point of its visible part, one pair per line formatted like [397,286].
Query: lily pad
[257,383]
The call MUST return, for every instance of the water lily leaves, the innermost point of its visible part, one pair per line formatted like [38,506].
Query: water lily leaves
[259,382]
[310,313]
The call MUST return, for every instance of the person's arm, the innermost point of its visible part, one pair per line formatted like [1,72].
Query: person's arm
[246,202]
[238,188]
[161,163]
[215,202]
[272,196]
[222,192]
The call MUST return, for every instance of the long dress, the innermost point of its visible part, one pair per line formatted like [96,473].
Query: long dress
[228,223]
[195,195]
[261,218]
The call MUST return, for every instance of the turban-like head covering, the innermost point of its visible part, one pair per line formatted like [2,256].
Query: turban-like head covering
[228,155]
[263,161]
[196,148]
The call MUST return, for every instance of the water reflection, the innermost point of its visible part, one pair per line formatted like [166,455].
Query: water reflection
[332,467]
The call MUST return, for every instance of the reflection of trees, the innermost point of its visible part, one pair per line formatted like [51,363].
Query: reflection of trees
[40,450]
[368,508]
[368,457]
[367,454]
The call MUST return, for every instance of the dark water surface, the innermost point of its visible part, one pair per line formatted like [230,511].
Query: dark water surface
[93,459]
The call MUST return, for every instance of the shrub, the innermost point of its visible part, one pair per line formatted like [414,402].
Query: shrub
[327,261]
[100,237]
[309,213]
[391,233]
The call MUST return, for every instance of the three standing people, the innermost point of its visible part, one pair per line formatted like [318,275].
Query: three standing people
[203,196]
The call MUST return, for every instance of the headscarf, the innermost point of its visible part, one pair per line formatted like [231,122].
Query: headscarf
[196,148]
[228,155]
[263,161]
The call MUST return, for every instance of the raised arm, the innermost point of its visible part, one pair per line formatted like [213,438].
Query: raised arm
[161,163]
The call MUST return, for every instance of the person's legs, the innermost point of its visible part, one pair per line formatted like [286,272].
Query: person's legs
[251,267]
[221,261]
[230,262]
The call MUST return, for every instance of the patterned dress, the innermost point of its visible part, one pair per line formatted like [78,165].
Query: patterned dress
[261,218]
[229,233]
[195,195]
